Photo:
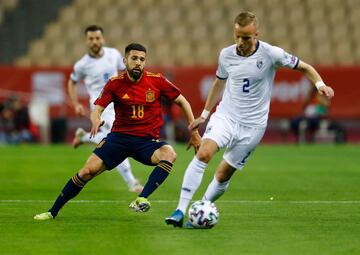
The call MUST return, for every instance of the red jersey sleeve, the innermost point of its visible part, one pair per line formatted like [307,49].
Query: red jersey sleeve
[106,95]
[168,89]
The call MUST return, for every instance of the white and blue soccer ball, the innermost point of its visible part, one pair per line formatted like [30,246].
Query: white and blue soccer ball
[203,214]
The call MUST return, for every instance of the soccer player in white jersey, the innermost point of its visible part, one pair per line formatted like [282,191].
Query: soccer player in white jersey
[94,69]
[245,73]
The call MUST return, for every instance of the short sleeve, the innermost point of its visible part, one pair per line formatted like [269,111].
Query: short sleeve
[221,72]
[77,74]
[168,89]
[283,59]
[106,95]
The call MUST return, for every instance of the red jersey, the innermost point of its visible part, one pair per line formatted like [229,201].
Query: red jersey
[137,105]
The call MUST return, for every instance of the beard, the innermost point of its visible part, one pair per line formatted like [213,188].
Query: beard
[135,74]
[95,50]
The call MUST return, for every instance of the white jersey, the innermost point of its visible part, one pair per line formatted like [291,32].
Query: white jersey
[248,88]
[95,72]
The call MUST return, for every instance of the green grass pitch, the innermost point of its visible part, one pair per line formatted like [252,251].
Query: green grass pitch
[315,210]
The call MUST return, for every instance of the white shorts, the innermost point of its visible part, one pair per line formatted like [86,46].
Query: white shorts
[239,140]
[108,116]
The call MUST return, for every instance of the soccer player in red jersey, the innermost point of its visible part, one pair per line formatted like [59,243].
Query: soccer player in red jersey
[136,95]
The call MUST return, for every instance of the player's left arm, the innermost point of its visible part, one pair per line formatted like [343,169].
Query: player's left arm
[310,72]
[195,138]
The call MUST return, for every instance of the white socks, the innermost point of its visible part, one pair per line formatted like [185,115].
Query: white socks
[125,171]
[215,190]
[191,182]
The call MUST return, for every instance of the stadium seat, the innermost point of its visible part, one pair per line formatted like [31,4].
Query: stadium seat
[68,15]
[302,48]
[324,53]
[38,49]
[7,5]
[344,54]
[296,25]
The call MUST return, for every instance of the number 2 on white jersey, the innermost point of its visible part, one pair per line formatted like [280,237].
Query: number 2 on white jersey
[246,86]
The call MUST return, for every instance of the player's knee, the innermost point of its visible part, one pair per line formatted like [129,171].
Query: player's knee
[168,154]
[204,155]
[87,173]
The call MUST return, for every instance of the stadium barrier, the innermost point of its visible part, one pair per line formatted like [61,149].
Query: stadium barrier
[48,86]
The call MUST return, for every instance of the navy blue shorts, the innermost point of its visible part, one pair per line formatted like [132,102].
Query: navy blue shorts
[116,147]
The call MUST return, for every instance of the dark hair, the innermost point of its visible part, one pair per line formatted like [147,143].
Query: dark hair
[134,46]
[93,28]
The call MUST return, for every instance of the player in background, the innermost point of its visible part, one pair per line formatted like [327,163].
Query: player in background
[136,95]
[314,120]
[94,69]
[246,72]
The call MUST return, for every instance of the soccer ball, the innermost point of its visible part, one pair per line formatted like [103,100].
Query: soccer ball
[203,214]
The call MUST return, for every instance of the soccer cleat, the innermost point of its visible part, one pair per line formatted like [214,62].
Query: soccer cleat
[79,134]
[137,187]
[140,204]
[176,219]
[44,216]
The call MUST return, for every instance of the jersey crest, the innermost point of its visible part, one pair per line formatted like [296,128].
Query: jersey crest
[150,96]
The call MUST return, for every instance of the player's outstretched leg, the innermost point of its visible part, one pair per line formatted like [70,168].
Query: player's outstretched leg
[81,137]
[70,190]
[176,219]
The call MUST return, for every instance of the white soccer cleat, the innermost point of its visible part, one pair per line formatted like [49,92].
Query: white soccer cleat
[44,216]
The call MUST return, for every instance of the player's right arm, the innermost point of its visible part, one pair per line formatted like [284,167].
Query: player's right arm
[212,98]
[96,120]
[104,99]
[79,109]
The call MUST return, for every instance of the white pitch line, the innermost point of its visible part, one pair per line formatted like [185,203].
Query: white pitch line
[175,201]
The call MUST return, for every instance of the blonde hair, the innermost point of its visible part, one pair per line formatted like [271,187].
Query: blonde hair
[245,18]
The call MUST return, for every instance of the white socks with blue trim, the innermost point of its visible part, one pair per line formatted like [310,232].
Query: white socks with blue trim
[215,190]
[191,182]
